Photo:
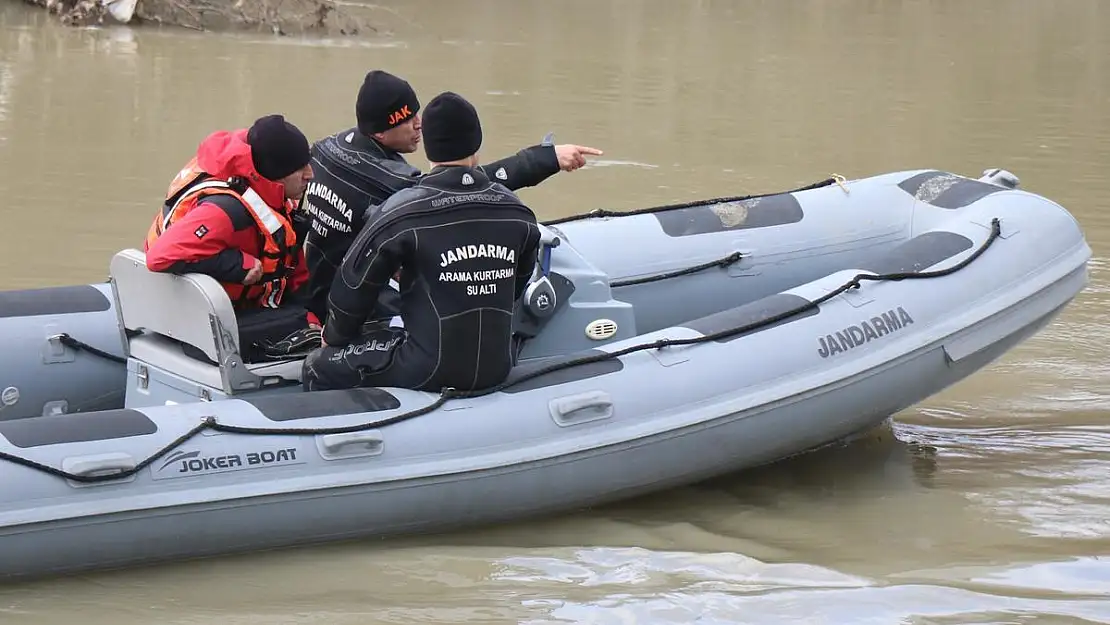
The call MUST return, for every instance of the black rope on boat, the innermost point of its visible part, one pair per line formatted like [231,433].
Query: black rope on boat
[447,394]
[720,262]
[75,344]
[604,212]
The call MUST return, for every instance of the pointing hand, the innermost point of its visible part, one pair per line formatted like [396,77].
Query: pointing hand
[571,156]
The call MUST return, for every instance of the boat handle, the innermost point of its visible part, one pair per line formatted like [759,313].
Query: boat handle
[581,408]
[92,466]
[372,439]
[102,464]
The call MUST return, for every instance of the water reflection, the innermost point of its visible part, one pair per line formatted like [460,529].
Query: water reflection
[917,604]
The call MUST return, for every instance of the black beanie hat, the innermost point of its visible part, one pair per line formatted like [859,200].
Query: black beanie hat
[451,128]
[278,148]
[384,101]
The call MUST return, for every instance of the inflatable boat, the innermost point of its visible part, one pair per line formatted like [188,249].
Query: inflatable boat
[665,346]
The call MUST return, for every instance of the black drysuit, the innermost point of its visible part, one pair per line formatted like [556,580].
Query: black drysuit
[466,248]
[352,174]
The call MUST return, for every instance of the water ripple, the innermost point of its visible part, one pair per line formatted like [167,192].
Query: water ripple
[622,566]
[678,587]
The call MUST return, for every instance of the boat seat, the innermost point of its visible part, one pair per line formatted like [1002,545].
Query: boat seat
[164,312]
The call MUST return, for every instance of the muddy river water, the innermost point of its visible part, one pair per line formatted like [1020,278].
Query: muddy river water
[989,503]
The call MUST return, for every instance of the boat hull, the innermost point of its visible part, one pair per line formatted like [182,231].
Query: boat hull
[741,387]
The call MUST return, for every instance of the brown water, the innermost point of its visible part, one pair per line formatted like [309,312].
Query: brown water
[987,504]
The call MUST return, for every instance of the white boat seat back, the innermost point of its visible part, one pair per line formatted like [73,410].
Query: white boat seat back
[191,308]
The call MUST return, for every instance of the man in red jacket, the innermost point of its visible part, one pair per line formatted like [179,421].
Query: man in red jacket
[230,214]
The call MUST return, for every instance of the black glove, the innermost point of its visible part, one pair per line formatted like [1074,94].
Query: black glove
[296,345]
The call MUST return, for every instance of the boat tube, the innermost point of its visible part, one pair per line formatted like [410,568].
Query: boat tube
[620,392]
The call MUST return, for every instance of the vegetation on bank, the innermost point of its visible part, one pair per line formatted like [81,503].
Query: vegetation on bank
[278,16]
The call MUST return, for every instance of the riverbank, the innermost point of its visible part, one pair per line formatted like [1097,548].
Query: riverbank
[282,17]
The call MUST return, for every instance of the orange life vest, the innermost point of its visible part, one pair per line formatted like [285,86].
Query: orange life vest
[279,241]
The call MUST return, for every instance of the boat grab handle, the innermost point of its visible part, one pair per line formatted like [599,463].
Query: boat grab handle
[581,408]
[368,443]
[104,464]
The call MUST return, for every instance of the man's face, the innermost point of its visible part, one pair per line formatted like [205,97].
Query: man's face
[296,182]
[403,138]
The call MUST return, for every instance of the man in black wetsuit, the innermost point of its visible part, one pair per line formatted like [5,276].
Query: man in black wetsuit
[360,167]
[465,246]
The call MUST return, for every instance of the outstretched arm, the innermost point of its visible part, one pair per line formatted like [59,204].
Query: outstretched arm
[372,260]
[533,165]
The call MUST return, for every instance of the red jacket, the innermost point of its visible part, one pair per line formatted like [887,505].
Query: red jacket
[219,236]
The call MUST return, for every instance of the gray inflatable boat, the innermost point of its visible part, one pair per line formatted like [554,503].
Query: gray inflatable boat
[668,346]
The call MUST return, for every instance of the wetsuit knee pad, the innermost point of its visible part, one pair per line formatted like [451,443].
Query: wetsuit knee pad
[369,360]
